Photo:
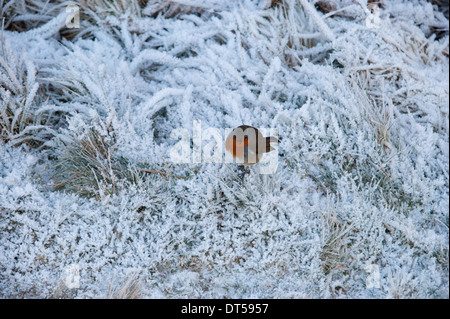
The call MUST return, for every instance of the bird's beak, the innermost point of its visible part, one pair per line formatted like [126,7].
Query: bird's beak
[273,140]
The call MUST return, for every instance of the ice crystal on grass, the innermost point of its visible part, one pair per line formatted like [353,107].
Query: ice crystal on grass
[24,115]
[90,166]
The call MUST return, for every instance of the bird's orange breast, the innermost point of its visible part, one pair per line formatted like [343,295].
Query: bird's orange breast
[236,146]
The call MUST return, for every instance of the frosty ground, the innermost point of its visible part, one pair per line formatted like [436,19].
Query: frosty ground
[92,207]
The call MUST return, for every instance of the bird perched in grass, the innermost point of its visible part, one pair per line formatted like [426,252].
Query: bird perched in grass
[247,145]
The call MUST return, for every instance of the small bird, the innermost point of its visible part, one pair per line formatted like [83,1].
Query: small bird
[247,145]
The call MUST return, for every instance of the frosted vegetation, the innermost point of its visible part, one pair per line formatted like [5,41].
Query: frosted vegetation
[358,207]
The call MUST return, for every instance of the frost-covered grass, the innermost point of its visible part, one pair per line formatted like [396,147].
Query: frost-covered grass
[86,181]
